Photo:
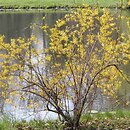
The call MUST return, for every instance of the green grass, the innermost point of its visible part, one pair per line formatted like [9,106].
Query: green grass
[119,119]
[6,123]
[50,3]
[107,3]
[106,115]
[39,3]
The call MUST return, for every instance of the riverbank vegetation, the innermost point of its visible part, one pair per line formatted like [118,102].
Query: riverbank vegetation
[102,121]
[27,4]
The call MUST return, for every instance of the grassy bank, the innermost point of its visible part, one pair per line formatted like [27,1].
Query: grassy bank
[39,3]
[53,3]
[117,120]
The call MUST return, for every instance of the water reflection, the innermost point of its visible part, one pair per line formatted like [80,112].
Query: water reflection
[14,25]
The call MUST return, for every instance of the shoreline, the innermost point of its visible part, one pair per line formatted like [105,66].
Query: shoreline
[53,8]
[61,5]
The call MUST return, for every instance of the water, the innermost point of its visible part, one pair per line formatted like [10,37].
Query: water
[17,24]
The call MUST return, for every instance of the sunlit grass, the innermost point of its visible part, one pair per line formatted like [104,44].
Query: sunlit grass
[107,3]
[40,3]
[48,3]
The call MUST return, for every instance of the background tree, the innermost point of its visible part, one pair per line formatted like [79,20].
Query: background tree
[83,56]
[128,2]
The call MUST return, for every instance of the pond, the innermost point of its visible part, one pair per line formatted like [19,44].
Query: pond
[17,24]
